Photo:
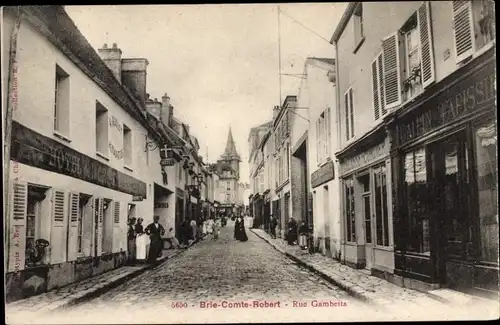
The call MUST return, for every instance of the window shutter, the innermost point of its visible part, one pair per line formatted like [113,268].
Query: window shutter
[318,141]
[58,233]
[351,106]
[117,214]
[426,45]
[74,211]
[375,90]
[329,132]
[462,29]
[116,244]
[381,83]
[347,133]
[392,72]
[100,212]
[17,231]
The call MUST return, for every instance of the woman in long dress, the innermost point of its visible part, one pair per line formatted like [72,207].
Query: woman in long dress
[237,229]
[140,241]
[242,232]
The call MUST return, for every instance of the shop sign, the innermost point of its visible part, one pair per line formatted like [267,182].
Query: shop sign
[161,205]
[325,174]
[137,198]
[179,192]
[167,162]
[32,148]
[472,94]
[364,158]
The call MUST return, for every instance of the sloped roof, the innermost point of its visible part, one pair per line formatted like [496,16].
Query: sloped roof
[230,151]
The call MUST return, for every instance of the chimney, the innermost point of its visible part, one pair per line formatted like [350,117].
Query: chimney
[171,115]
[165,110]
[134,77]
[153,107]
[276,110]
[112,57]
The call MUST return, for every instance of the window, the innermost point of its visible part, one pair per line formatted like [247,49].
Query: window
[101,133]
[228,186]
[61,103]
[107,232]
[323,136]
[349,210]
[359,35]
[81,213]
[381,212]
[127,146]
[416,196]
[228,197]
[487,173]
[349,114]
[473,26]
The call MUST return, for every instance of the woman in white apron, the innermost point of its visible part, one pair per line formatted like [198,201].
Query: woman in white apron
[141,241]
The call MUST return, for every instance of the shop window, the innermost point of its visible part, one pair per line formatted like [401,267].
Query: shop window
[101,131]
[487,178]
[349,210]
[381,212]
[416,198]
[473,26]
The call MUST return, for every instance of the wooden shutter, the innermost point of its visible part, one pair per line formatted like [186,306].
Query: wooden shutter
[58,231]
[347,110]
[392,71]
[329,132]
[318,146]
[17,231]
[375,89]
[117,235]
[116,218]
[351,106]
[380,65]
[97,216]
[74,214]
[463,31]
[426,44]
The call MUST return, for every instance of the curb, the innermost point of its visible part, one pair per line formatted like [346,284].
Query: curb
[346,286]
[111,285]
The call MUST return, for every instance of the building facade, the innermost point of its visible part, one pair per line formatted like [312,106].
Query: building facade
[68,197]
[422,162]
[313,140]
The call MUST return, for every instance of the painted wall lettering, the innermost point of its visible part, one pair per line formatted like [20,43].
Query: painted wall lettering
[364,158]
[117,153]
[113,121]
[34,149]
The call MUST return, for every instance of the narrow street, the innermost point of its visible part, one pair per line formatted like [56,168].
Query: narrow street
[225,272]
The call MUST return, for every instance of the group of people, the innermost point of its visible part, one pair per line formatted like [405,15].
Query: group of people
[198,229]
[137,237]
[296,234]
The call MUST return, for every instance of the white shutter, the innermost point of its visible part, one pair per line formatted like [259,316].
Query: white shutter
[74,211]
[116,219]
[116,228]
[375,90]
[380,65]
[392,71]
[17,231]
[347,110]
[463,29]
[329,132]
[318,142]
[58,231]
[426,44]
[351,106]
[100,225]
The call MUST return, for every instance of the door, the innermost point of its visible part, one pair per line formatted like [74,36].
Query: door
[449,169]
[367,210]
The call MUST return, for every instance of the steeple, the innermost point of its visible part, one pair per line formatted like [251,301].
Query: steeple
[230,151]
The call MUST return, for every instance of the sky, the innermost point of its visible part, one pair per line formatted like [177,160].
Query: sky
[218,63]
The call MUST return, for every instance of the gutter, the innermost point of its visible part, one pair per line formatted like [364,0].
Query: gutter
[343,21]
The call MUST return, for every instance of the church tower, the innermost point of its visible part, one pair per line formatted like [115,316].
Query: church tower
[230,154]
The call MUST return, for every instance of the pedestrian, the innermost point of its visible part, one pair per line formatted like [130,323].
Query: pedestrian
[131,241]
[155,232]
[140,241]
[216,228]
[292,231]
[274,224]
[193,228]
[242,235]
[303,232]
[210,226]
[174,243]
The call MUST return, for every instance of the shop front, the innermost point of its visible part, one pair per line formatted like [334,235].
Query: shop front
[365,198]
[445,183]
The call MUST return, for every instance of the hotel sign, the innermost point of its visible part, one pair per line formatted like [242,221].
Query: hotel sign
[474,93]
[324,174]
[34,149]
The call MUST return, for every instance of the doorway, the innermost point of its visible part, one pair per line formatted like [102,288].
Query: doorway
[366,215]
[448,167]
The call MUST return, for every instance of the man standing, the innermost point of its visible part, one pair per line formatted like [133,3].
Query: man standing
[155,232]
[131,241]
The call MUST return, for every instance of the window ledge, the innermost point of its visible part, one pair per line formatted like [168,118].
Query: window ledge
[61,136]
[384,248]
[103,156]
[359,45]
[128,168]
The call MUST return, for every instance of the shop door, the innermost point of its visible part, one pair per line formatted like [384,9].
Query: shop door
[368,230]
[451,199]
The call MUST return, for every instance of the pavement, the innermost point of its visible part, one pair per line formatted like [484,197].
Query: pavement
[223,280]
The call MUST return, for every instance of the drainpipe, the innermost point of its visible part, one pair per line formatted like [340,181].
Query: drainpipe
[338,144]
[8,128]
